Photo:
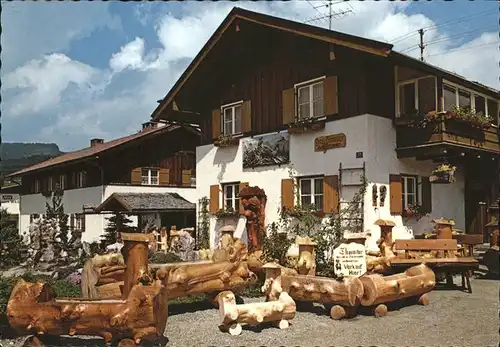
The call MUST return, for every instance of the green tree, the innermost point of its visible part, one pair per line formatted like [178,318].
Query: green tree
[12,249]
[55,210]
[117,222]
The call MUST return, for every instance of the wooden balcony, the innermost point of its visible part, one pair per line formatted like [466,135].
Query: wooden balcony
[442,137]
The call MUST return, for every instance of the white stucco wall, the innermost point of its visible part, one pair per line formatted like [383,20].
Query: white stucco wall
[374,136]
[10,203]
[74,200]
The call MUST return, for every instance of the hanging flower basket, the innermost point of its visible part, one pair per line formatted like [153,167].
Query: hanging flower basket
[443,174]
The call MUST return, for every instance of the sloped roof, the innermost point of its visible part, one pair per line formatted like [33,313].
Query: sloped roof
[297,28]
[142,202]
[92,151]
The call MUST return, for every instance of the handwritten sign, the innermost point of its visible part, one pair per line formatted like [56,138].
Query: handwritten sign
[324,143]
[349,260]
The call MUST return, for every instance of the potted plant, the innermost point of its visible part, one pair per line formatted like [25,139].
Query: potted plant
[469,116]
[226,141]
[444,173]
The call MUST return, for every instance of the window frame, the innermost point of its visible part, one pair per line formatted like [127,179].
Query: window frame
[313,193]
[235,198]
[62,182]
[80,179]
[415,81]
[150,176]
[233,107]
[79,222]
[36,188]
[417,189]
[310,85]
[472,93]
[50,184]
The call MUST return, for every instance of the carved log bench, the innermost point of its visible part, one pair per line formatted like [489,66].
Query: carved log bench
[344,294]
[441,258]
[379,290]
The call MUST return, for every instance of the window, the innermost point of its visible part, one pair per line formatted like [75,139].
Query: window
[231,119]
[50,184]
[311,192]
[310,100]
[410,195]
[37,186]
[149,177]
[450,97]
[408,100]
[231,192]
[464,99]
[80,222]
[62,182]
[480,104]
[80,179]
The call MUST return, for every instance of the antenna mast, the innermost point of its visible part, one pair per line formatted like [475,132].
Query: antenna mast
[331,13]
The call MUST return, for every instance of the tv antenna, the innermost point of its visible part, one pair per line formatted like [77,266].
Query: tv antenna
[331,12]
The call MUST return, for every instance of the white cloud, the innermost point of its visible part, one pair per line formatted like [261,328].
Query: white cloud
[130,55]
[112,103]
[41,82]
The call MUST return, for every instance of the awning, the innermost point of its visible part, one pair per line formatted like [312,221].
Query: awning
[145,202]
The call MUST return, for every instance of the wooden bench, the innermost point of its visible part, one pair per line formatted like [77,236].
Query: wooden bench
[468,241]
[445,261]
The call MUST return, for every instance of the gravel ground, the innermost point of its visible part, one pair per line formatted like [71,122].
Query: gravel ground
[453,318]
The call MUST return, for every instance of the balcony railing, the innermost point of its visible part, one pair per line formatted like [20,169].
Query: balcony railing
[448,132]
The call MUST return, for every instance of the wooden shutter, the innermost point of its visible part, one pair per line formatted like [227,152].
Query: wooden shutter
[72,221]
[246,116]
[426,194]
[426,95]
[331,194]
[186,177]
[287,193]
[330,96]
[288,99]
[243,185]
[164,177]
[216,123]
[135,176]
[396,194]
[214,199]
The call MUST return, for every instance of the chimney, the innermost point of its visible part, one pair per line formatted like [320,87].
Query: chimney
[95,142]
[148,125]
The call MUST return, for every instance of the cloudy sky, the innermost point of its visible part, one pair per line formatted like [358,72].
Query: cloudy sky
[73,71]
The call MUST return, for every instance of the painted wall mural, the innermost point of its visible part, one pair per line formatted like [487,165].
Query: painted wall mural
[266,150]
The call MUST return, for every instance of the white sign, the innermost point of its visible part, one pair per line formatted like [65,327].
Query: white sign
[349,260]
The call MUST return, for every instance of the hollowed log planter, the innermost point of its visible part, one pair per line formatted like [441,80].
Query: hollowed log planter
[344,295]
[232,316]
[379,290]
[141,314]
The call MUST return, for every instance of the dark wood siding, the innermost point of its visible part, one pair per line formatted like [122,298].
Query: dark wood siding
[271,61]
[175,151]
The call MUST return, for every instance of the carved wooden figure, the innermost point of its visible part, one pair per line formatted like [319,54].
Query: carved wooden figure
[386,245]
[140,315]
[374,195]
[344,294]
[417,281]
[383,194]
[306,265]
[444,229]
[232,316]
[253,200]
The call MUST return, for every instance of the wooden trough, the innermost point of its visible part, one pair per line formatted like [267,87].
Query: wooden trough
[140,314]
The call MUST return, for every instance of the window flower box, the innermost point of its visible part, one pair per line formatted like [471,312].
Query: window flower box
[226,141]
[306,125]
[225,213]
[414,211]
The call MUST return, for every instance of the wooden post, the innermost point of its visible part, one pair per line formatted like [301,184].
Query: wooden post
[444,231]
[135,254]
